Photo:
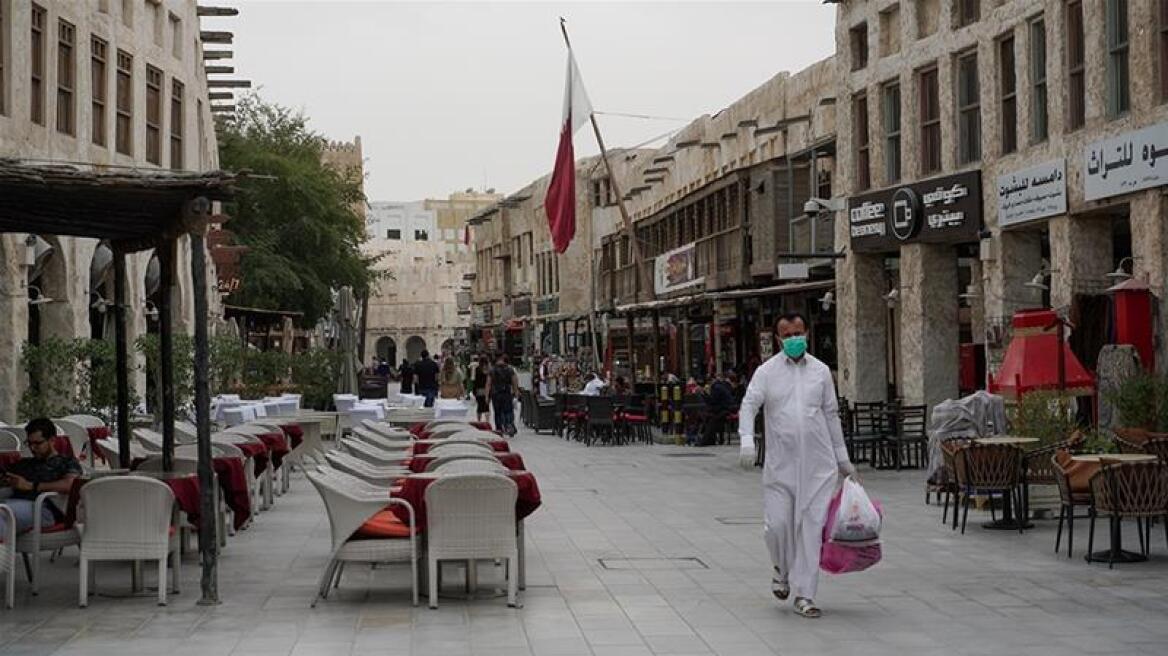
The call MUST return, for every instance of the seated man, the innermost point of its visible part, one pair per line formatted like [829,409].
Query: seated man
[593,386]
[45,471]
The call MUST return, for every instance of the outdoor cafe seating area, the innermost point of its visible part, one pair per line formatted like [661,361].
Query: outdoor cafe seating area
[399,484]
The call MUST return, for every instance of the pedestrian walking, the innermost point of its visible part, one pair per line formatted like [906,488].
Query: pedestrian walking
[504,387]
[805,452]
[426,372]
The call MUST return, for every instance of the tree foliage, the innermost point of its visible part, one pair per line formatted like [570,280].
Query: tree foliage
[297,219]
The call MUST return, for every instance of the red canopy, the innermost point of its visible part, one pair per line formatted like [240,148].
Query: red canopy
[1031,361]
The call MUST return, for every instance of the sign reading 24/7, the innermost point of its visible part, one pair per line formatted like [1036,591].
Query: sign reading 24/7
[1130,162]
[943,210]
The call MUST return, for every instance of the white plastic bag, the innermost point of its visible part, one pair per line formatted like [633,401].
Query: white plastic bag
[857,520]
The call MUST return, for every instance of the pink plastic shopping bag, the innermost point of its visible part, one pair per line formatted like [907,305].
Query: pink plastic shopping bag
[840,557]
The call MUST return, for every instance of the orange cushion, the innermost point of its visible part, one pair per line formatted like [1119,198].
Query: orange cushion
[1078,473]
[384,525]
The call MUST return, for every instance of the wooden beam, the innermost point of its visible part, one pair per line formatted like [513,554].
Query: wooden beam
[208,36]
[165,253]
[208,540]
[122,412]
[205,10]
[220,95]
[219,70]
[229,84]
[218,54]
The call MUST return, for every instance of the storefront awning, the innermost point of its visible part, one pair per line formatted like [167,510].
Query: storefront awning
[789,288]
[657,305]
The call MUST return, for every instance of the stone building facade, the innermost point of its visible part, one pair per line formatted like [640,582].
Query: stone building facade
[423,303]
[1026,106]
[108,84]
[347,157]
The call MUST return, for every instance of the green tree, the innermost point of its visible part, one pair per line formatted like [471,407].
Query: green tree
[295,215]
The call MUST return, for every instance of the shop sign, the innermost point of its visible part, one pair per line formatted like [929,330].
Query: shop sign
[944,210]
[676,270]
[1130,162]
[726,310]
[549,305]
[1032,193]
[765,345]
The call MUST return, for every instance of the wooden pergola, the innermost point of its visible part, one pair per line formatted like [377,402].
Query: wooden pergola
[135,210]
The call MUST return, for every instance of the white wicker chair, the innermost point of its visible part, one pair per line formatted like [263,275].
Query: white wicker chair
[221,450]
[383,476]
[259,427]
[474,433]
[128,518]
[438,423]
[41,538]
[470,466]
[8,555]
[185,432]
[380,441]
[451,448]
[438,461]
[373,455]
[385,429]
[9,442]
[349,505]
[262,486]
[150,440]
[78,438]
[14,435]
[471,517]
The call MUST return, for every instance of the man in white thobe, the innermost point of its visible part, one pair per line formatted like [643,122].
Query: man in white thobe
[804,452]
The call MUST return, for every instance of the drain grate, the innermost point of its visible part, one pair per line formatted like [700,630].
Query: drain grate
[688,455]
[739,521]
[688,562]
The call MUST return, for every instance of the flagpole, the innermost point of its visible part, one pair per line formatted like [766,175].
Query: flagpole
[634,245]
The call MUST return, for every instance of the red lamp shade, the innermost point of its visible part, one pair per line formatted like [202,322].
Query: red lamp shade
[1031,361]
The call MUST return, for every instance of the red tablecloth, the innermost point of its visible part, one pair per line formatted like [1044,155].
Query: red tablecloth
[500,446]
[63,446]
[277,446]
[413,490]
[417,429]
[513,461]
[294,433]
[233,482]
[186,495]
[9,457]
[95,434]
[258,453]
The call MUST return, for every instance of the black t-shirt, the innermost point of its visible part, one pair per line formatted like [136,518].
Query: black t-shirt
[501,377]
[407,374]
[35,470]
[427,373]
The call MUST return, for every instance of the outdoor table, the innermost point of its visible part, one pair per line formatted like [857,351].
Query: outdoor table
[1008,521]
[293,432]
[1116,552]
[413,490]
[9,457]
[422,447]
[233,483]
[277,446]
[513,461]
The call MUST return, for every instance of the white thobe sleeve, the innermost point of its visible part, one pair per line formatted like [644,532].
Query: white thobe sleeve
[751,402]
[834,428]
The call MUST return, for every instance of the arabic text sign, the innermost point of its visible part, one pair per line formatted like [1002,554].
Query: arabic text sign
[1130,162]
[1032,193]
[676,269]
[945,210]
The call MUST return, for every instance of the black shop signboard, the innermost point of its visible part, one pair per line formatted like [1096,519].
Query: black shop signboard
[944,210]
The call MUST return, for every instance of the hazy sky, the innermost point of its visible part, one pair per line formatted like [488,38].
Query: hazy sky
[447,96]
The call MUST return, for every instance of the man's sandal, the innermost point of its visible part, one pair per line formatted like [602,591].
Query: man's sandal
[779,586]
[806,608]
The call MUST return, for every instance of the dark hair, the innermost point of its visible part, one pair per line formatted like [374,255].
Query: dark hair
[502,359]
[42,425]
[425,354]
[790,317]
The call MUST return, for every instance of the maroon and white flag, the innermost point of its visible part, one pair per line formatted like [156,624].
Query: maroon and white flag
[560,201]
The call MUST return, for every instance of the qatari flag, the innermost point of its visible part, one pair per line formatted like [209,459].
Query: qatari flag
[560,201]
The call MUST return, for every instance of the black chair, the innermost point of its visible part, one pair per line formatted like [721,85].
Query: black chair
[909,443]
[601,420]
[544,414]
[868,422]
[575,416]
[694,413]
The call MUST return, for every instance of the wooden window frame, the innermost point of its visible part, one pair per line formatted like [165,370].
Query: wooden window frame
[1039,89]
[968,110]
[859,46]
[177,124]
[930,126]
[1076,61]
[36,64]
[893,157]
[66,77]
[98,89]
[863,138]
[1008,92]
[124,104]
[1118,33]
[155,78]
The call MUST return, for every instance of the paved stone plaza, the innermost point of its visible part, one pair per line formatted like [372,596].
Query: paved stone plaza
[637,550]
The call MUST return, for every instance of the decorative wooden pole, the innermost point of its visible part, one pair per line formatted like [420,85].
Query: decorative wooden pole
[165,252]
[122,412]
[208,540]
